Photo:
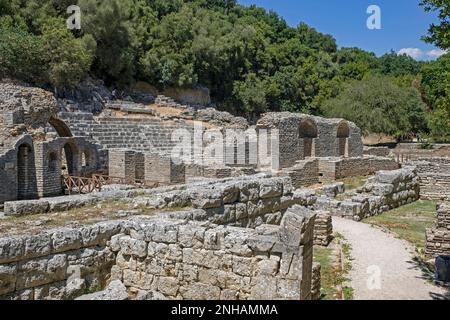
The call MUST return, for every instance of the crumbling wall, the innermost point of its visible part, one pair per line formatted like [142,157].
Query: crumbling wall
[178,258]
[304,173]
[434,177]
[323,228]
[241,202]
[438,237]
[340,168]
[377,151]
[198,261]
[385,191]
[58,264]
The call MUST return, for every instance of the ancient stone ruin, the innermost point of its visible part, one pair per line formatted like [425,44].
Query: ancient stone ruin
[140,201]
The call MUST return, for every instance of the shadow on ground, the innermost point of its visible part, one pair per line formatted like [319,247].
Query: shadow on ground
[428,275]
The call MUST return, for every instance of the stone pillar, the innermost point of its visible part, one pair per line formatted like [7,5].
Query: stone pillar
[438,238]
[296,236]
[122,164]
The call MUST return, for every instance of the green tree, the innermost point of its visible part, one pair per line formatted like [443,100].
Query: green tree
[378,105]
[22,54]
[439,34]
[69,58]
[393,64]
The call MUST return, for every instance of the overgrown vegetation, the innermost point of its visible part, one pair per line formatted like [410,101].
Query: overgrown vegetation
[334,273]
[324,256]
[251,60]
[408,222]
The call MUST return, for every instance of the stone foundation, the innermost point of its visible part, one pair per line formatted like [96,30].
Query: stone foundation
[339,168]
[323,229]
[43,266]
[385,191]
[179,259]
[316,282]
[202,262]
[434,177]
[438,238]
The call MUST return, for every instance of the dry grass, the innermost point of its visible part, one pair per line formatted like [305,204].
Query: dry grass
[113,210]
[408,222]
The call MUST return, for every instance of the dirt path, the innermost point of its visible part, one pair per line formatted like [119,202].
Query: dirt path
[383,267]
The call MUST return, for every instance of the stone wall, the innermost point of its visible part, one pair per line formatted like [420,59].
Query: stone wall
[434,177]
[304,173]
[316,282]
[198,261]
[385,191]
[340,168]
[244,202]
[178,258]
[52,265]
[377,151]
[438,237]
[302,136]
[122,164]
[414,151]
[323,228]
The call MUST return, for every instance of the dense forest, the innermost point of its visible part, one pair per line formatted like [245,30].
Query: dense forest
[251,60]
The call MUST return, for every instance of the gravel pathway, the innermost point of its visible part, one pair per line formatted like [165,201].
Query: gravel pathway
[383,268]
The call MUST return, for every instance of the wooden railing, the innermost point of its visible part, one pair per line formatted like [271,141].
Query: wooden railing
[106,180]
[402,157]
[81,185]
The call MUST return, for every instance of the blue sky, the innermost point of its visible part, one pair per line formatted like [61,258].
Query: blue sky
[403,23]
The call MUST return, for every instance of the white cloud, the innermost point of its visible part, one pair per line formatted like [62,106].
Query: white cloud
[419,54]
[436,53]
[415,53]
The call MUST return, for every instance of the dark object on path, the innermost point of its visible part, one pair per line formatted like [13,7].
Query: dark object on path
[443,269]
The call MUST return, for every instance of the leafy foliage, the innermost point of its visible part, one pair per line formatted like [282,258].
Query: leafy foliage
[251,59]
[439,34]
[378,105]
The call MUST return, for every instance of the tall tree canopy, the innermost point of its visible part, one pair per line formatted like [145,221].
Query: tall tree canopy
[250,58]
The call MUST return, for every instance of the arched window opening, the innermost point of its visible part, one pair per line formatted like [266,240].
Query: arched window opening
[308,133]
[52,162]
[343,133]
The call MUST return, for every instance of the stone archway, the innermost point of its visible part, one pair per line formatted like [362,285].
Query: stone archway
[61,128]
[26,173]
[308,133]
[343,134]
[69,159]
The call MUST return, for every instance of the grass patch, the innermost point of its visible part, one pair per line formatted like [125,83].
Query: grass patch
[86,215]
[324,256]
[408,222]
[352,183]
[332,275]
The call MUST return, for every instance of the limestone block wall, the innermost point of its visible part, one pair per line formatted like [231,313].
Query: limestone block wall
[198,261]
[242,202]
[340,168]
[178,258]
[434,177]
[385,191]
[58,264]
[122,164]
[304,173]
[438,237]
[323,228]
[163,169]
